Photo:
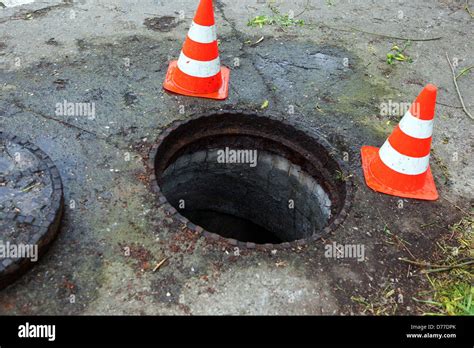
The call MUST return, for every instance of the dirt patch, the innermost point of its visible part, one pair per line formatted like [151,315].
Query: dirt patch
[130,98]
[388,285]
[166,289]
[163,24]
[52,42]
[141,257]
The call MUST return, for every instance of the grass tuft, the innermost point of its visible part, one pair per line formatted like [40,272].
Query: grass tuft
[451,290]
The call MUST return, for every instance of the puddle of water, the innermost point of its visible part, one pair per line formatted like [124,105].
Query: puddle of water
[12,3]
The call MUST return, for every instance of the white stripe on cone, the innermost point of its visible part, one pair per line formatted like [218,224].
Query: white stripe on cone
[401,163]
[416,128]
[202,34]
[198,68]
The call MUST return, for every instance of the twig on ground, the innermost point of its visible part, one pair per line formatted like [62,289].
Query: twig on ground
[448,268]
[400,242]
[457,88]
[306,8]
[428,224]
[277,13]
[454,205]
[258,41]
[351,29]
[29,188]
[395,237]
[463,71]
[450,106]
[468,10]
[436,268]
[159,264]
[396,37]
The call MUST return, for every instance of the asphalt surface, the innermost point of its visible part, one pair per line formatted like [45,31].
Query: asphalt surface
[114,54]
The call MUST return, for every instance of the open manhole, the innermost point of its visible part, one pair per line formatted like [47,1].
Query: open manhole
[30,206]
[251,180]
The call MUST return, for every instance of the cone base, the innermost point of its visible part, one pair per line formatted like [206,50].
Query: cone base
[427,192]
[171,86]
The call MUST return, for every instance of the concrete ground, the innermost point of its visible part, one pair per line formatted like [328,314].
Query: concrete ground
[115,54]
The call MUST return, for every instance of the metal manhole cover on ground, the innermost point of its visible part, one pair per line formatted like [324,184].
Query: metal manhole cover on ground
[31,203]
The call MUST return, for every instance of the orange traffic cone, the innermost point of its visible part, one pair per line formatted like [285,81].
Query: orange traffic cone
[401,166]
[197,72]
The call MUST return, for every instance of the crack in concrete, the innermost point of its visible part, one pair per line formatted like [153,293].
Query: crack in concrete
[32,14]
[220,8]
[24,108]
[241,36]
[107,139]
[285,63]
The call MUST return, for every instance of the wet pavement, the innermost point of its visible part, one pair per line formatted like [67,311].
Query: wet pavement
[114,55]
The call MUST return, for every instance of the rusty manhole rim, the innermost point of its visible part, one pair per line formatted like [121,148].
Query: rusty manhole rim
[215,238]
[44,230]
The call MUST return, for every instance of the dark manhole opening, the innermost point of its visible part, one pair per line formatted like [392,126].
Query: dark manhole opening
[250,178]
[231,226]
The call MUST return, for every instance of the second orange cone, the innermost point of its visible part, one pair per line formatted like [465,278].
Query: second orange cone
[401,166]
[198,72]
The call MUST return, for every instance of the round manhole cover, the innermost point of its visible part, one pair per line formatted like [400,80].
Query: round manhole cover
[251,180]
[30,206]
